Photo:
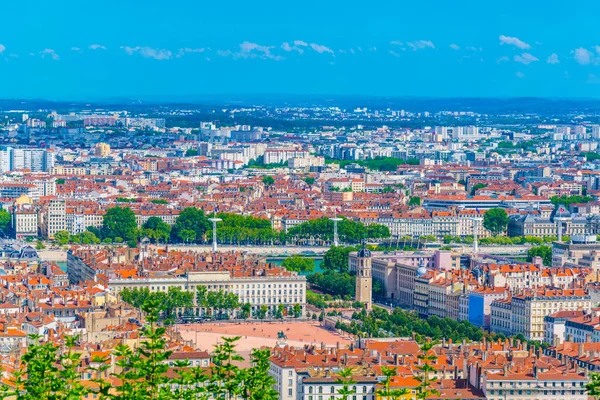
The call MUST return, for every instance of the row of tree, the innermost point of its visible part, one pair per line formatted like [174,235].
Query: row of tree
[348,231]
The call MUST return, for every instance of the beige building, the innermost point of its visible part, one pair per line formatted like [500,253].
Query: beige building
[364,278]
[529,308]
[56,218]
[102,149]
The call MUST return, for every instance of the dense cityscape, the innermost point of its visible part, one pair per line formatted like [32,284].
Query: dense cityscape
[317,200]
[307,252]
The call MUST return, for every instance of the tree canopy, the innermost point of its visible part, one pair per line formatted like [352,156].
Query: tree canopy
[119,222]
[299,264]
[4,219]
[52,371]
[495,220]
[541,251]
[568,200]
[268,180]
[348,231]
[336,258]
[190,226]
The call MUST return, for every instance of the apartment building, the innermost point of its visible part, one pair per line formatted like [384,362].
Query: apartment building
[56,219]
[529,308]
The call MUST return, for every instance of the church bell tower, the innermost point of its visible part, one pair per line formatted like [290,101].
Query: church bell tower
[364,277]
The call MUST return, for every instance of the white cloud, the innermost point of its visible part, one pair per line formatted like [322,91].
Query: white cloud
[75,49]
[50,53]
[514,41]
[454,46]
[97,47]
[503,59]
[519,75]
[526,58]
[297,45]
[224,53]
[2,48]
[372,49]
[149,52]
[421,44]
[392,52]
[300,43]
[248,49]
[473,48]
[319,48]
[187,50]
[582,56]
[553,59]
[251,50]
[397,43]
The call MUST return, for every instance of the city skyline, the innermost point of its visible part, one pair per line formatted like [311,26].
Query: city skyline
[430,49]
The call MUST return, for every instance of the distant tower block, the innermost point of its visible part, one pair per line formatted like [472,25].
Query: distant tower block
[364,277]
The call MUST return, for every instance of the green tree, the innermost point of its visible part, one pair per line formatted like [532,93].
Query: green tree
[119,222]
[95,231]
[593,385]
[345,379]
[298,263]
[268,180]
[387,392]
[426,357]
[156,229]
[309,180]
[143,371]
[495,220]
[52,371]
[4,219]
[46,373]
[192,219]
[62,237]
[297,310]
[545,252]
[191,153]
[257,383]
[187,235]
[40,245]
[336,258]
[414,201]
[568,200]
[476,187]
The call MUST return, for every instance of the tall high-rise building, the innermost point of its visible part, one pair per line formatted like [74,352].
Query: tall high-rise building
[57,217]
[36,160]
[102,149]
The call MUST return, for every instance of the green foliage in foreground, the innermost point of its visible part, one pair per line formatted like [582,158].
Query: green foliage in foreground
[53,372]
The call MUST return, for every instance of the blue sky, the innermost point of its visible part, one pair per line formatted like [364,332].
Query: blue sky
[67,49]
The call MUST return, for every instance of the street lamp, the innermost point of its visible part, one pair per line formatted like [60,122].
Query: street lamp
[214,221]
